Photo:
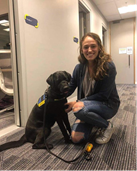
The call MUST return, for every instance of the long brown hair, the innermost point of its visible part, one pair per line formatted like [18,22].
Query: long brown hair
[101,61]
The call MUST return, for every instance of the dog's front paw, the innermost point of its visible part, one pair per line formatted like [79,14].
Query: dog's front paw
[35,146]
[68,141]
[42,146]
[50,146]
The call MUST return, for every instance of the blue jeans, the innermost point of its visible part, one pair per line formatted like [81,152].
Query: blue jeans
[95,113]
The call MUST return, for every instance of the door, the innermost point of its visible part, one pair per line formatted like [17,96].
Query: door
[122,38]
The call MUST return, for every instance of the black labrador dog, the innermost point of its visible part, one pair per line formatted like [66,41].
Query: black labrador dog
[52,103]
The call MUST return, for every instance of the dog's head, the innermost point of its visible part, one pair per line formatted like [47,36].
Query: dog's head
[58,82]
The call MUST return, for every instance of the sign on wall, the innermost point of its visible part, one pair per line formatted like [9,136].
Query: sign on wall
[75,39]
[129,50]
[122,50]
[31,21]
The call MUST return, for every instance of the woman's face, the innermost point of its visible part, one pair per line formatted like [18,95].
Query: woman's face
[90,49]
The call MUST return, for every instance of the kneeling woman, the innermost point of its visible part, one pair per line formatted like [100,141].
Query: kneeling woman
[98,100]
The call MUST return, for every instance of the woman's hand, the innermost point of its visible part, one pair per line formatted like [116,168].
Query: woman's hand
[69,106]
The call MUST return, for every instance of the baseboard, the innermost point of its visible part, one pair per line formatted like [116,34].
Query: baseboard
[8,130]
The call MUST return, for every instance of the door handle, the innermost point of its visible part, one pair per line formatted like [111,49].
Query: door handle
[129,61]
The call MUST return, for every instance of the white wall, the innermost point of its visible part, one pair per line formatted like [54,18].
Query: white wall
[48,48]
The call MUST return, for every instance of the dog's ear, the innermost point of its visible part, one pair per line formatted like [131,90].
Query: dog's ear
[50,79]
[68,76]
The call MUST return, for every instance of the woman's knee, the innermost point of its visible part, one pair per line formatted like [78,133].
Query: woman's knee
[78,106]
[77,137]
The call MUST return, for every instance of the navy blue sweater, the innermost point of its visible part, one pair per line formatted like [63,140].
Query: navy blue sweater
[104,90]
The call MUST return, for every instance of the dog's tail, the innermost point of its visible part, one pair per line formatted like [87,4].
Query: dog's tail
[13,144]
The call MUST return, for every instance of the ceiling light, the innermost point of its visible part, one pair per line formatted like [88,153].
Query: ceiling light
[3,21]
[129,8]
[7,29]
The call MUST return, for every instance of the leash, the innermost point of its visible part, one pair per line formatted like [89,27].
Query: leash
[85,151]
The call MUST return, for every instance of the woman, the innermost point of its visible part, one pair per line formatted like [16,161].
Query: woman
[97,96]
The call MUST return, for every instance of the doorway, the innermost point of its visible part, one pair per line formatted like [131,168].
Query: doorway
[84,19]
[6,83]
[104,38]
[9,105]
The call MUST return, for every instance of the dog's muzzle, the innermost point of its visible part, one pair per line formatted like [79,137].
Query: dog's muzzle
[63,86]
[65,89]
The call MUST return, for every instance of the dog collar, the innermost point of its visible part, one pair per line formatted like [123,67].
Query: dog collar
[59,99]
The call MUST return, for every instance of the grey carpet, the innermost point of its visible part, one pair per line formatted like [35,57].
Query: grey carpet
[7,119]
[118,154]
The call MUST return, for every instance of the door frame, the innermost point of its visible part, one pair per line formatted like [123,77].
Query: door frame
[14,62]
[84,18]
[134,33]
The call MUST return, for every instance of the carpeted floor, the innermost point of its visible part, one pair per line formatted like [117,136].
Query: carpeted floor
[7,119]
[118,154]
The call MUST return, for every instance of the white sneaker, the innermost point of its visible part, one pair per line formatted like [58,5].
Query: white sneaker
[105,134]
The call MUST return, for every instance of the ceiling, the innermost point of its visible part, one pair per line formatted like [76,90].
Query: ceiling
[109,9]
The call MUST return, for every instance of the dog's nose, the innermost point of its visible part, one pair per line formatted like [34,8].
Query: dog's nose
[65,88]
